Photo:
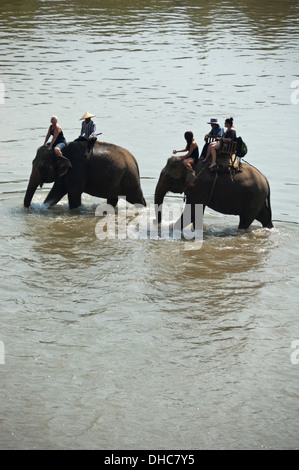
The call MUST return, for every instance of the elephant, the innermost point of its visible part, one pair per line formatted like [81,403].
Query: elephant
[108,171]
[245,193]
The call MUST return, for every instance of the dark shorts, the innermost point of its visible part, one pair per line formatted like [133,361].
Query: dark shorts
[61,144]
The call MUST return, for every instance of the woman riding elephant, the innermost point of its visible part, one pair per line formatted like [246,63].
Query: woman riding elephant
[191,157]
[58,141]
[246,193]
[109,172]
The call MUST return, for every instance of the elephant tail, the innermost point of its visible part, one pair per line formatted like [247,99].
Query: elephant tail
[266,218]
[268,206]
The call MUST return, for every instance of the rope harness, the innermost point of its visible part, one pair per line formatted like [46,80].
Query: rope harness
[213,187]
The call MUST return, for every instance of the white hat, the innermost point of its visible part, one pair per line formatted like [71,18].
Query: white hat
[213,121]
[86,116]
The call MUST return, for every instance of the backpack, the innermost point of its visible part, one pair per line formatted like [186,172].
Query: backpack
[241,148]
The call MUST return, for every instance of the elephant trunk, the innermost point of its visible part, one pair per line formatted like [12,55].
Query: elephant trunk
[34,181]
[160,192]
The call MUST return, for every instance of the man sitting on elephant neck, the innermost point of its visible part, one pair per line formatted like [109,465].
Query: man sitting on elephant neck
[58,141]
[88,132]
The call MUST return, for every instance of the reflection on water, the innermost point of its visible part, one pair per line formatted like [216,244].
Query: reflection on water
[140,343]
[121,11]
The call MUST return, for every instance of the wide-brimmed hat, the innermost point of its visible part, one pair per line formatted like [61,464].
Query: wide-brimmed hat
[86,116]
[213,121]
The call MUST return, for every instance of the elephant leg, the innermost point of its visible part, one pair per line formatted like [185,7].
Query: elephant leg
[198,219]
[74,199]
[264,217]
[136,198]
[192,214]
[56,193]
[186,218]
[112,201]
[245,222]
[179,224]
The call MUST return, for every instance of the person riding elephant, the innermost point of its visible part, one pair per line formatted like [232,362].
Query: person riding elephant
[58,141]
[229,136]
[191,157]
[215,132]
[109,172]
[246,193]
[88,132]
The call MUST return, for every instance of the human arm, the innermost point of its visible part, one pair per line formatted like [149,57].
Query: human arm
[220,132]
[177,151]
[47,136]
[82,130]
[229,135]
[189,153]
[213,135]
[92,134]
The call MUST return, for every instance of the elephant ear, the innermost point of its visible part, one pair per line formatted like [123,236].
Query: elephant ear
[175,168]
[190,177]
[63,166]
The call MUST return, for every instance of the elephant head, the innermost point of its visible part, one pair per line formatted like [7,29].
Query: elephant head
[46,168]
[174,177]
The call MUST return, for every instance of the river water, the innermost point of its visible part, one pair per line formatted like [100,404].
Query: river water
[140,343]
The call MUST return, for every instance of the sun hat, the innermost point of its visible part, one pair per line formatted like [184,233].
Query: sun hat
[86,116]
[213,121]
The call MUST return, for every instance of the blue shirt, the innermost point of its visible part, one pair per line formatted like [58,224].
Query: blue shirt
[217,131]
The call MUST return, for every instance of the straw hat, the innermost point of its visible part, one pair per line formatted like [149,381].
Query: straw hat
[86,116]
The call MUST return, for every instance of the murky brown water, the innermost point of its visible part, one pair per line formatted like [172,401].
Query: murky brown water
[139,343]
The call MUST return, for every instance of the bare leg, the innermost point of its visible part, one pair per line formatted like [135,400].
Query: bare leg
[191,177]
[208,154]
[57,152]
[213,153]
[209,151]
[188,163]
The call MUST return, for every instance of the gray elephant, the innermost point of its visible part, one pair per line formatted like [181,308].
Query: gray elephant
[110,171]
[245,193]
